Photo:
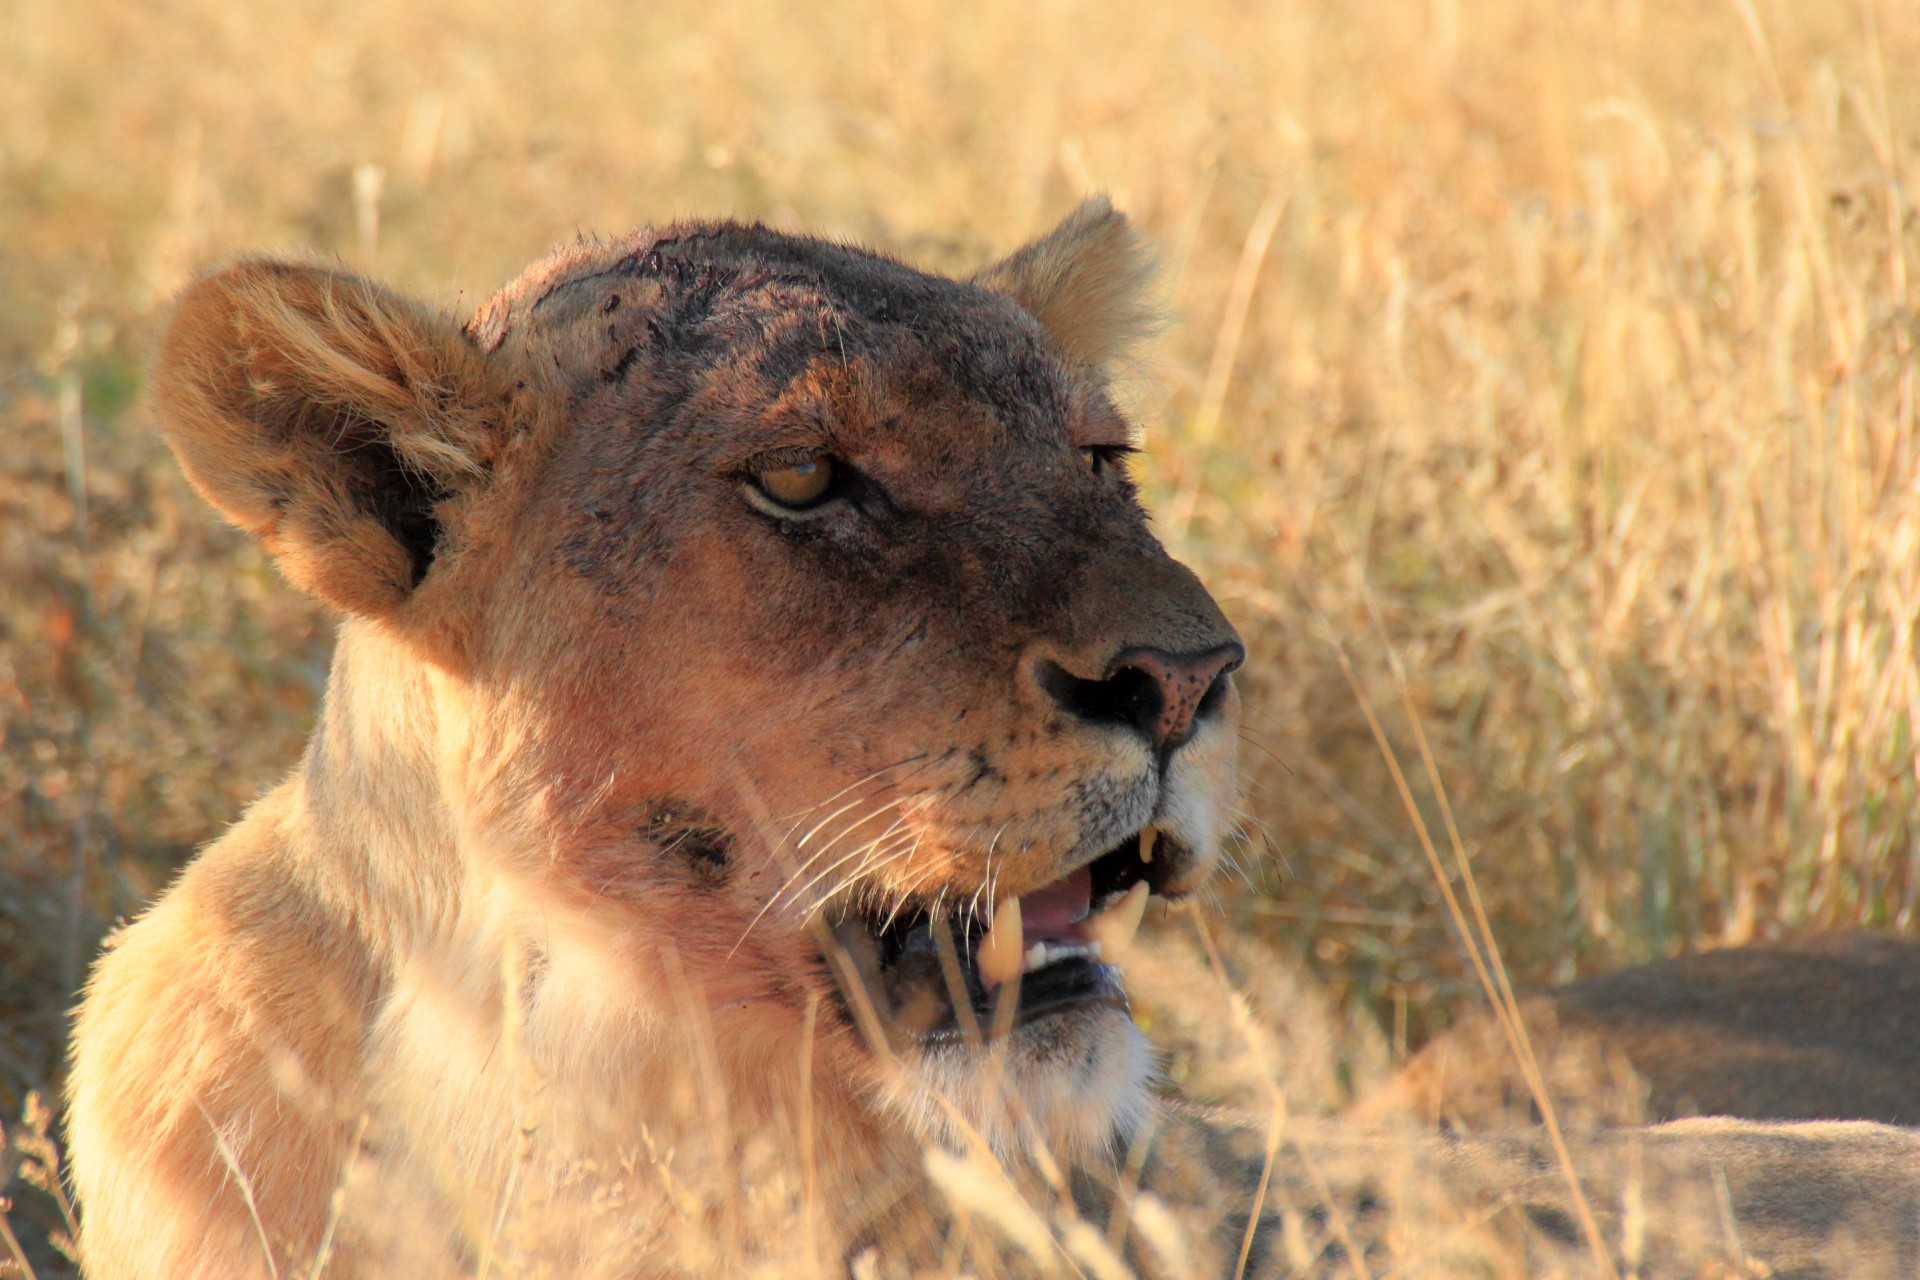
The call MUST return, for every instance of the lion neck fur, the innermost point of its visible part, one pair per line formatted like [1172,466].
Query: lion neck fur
[506,1012]
[455,1053]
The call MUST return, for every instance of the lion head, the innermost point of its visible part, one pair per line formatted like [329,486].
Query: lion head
[789,621]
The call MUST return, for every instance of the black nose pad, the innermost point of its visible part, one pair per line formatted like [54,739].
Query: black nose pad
[1164,696]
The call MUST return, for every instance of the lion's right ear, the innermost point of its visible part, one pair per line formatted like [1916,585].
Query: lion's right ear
[330,418]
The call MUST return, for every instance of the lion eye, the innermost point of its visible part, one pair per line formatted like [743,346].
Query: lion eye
[1091,460]
[799,484]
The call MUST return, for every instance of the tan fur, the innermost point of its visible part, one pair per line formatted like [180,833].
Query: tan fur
[1819,1028]
[1693,1198]
[1087,282]
[269,368]
[526,964]
[1670,1081]
[1487,1194]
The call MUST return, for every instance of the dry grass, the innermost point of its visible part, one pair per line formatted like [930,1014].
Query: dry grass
[1564,349]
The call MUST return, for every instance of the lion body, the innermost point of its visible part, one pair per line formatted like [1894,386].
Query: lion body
[627,913]
[584,894]
[1824,1027]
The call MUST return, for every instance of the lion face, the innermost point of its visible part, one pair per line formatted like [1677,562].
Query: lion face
[794,609]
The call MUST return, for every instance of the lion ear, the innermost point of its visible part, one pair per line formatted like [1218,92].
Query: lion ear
[1088,282]
[330,418]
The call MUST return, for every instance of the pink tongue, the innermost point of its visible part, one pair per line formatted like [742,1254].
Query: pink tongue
[1050,913]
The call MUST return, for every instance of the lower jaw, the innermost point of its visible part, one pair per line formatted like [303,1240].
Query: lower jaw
[925,974]
[919,997]
[1057,991]
[1077,1080]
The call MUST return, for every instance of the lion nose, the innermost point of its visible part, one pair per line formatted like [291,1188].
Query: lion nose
[1166,696]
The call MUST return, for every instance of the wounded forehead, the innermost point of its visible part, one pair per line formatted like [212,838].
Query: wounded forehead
[769,310]
[718,255]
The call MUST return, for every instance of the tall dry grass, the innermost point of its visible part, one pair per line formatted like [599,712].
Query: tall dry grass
[1560,353]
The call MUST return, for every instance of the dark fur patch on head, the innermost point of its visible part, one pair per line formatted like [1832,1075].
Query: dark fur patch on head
[689,834]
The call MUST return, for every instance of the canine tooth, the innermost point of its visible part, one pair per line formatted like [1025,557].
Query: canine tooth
[1113,929]
[1148,838]
[999,955]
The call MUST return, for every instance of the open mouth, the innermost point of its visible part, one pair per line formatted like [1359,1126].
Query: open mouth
[1041,955]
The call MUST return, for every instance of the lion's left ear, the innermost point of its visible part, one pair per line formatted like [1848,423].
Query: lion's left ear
[1088,282]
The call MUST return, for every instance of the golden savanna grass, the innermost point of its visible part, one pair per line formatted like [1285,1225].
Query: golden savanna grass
[1550,362]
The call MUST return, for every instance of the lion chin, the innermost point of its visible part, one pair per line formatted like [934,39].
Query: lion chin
[1016,1029]
[1075,1083]
[760,719]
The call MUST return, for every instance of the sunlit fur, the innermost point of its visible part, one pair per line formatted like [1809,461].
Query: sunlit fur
[529,943]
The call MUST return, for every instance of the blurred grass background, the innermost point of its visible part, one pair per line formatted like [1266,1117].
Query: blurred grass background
[1561,352]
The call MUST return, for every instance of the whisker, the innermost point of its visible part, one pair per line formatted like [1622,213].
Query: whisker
[844,832]
[866,850]
[801,870]
[1264,749]
[905,894]
[1238,868]
[973,905]
[862,889]
[857,783]
[816,828]
[878,853]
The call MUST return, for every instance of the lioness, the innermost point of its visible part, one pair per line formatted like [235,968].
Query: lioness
[1823,1027]
[759,705]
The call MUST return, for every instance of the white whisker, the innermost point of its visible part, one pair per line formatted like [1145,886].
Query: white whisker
[866,850]
[774,900]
